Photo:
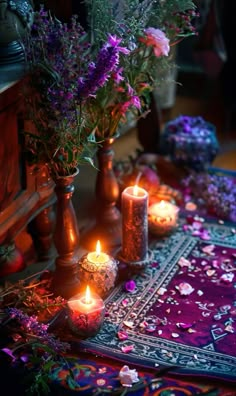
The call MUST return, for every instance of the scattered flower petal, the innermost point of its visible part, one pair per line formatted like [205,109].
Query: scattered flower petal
[129,324]
[161,291]
[174,335]
[208,249]
[130,286]
[200,292]
[125,302]
[191,331]
[227,278]
[185,288]
[184,326]
[183,262]
[127,376]
[127,348]
[122,335]
[210,272]
[229,328]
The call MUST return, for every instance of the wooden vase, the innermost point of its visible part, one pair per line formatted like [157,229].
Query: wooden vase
[107,226]
[66,239]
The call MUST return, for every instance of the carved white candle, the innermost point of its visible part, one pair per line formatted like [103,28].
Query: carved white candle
[99,270]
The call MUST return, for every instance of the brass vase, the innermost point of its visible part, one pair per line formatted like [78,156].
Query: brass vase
[66,239]
[107,227]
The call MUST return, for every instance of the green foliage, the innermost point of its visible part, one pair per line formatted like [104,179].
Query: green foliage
[142,70]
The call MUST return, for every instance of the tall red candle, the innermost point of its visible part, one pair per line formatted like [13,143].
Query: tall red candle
[134,203]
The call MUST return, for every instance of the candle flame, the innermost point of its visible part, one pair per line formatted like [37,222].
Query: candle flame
[87,295]
[98,248]
[135,190]
[162,204]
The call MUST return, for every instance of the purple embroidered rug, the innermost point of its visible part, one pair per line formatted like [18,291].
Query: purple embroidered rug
[182,313]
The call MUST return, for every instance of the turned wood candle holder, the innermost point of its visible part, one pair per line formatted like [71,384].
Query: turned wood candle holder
[66,239]
[107,227]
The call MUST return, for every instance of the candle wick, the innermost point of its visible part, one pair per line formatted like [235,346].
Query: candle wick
[97,255]
[138,178]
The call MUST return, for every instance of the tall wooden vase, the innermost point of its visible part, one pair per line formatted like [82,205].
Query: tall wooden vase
[107,227]
[66,239]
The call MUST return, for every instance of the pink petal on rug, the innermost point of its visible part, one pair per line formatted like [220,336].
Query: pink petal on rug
[183,262]
[229,328]
[184,326]
[197,225]
[208,249]
[185,288]
[122,335]
[128,377]
[227,278]
[125,302]
[210,272]
[161,291]
[205,235]
[174,335]
[129,324]
[127,348]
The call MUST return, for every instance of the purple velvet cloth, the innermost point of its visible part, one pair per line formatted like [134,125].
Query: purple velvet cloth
[210,310]
[162,327]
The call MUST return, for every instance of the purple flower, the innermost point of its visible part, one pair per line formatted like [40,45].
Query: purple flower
[114,41]
[135,101]
[9,352]
[116,75]
[99,73]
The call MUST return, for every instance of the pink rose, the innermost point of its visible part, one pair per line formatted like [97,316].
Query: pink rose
[158,40]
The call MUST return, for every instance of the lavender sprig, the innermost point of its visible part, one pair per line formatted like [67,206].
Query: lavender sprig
[108,61]
[33,328]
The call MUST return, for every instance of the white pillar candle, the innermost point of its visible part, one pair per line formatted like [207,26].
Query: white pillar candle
[162,217]
[134,203]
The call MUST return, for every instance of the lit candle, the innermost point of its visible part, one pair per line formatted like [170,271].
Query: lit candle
[99,270]
[162,217]
[134,201]
[98,257]
[86,313]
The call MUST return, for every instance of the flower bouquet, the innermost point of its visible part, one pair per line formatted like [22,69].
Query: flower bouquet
[63,73]
[190,141]
[148,30]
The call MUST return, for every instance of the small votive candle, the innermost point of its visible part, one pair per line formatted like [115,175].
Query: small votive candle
[162,217]
[99,270]
[86,313]
[134,201]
